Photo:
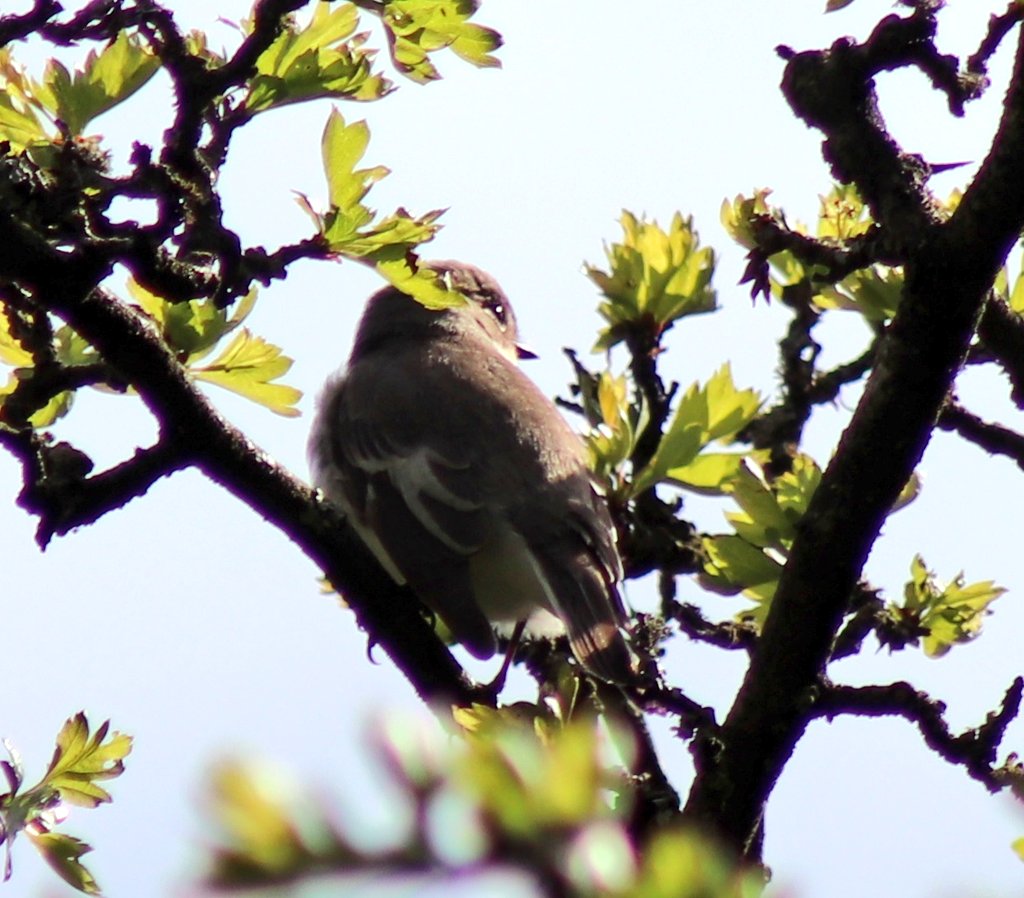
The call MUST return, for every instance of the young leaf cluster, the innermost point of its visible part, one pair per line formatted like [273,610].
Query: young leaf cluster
[324,59]
[655,277]
[81,761]
[417,28]
[35,113]
[945,613]
[248,365]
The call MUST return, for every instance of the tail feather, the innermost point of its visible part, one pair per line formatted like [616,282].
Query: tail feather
[591,610]
[601,649]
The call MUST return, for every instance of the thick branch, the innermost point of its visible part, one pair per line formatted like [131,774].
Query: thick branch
[946,284]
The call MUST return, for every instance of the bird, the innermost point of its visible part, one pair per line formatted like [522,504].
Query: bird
[465,481]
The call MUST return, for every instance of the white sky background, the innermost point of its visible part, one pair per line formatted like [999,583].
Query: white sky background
[200,630]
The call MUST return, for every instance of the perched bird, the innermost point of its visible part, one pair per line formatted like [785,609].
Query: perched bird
[464,479]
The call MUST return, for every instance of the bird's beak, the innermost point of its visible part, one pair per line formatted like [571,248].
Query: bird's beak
[525,353]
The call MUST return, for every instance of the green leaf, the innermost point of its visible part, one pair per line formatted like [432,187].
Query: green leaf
[529,777]
[681,862]
[1016,297]
[738,216]
[19,121]
[18,125]
[611,443]
[191,328]
[253,807]
[417,281]
[63,854]
[417,28]
[950,613]
[323,59]
[81,759]
[107,79]
[678,447]
[911,490]
[348,226]
[734,565]
[342,148]
[771,510]
[874,292]
[763,521]
[655,278]
[715,411]
[248,367]
[388,243]
[794,489]
[843,215]
[709,473]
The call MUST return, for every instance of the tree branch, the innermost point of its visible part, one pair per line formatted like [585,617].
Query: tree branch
[15,28]
[1001,331]
[998,27]
[993,438]
[975,749]
[918,357]
[58,491]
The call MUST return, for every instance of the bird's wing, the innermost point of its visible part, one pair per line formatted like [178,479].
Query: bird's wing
[415,507]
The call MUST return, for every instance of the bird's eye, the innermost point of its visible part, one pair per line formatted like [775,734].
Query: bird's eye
[498,309]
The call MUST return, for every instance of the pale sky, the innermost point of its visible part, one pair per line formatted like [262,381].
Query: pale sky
[200,630]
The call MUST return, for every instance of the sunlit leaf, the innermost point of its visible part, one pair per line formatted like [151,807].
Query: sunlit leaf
[81,759]
[949,613]
[248,366]
[682,862]
[708,473]
[417,281]
[348,226]
[735,565]
[911,490]
[843,215]
[736,216]
[655,278]
[713,412]
[255,809]
[1016,296]
[417,28]
[192,328]
[323,59]
[763,521]
[106,79]
[874,292]
[611,443]
[19,107]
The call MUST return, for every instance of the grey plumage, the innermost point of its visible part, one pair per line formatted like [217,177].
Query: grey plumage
[465,480]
